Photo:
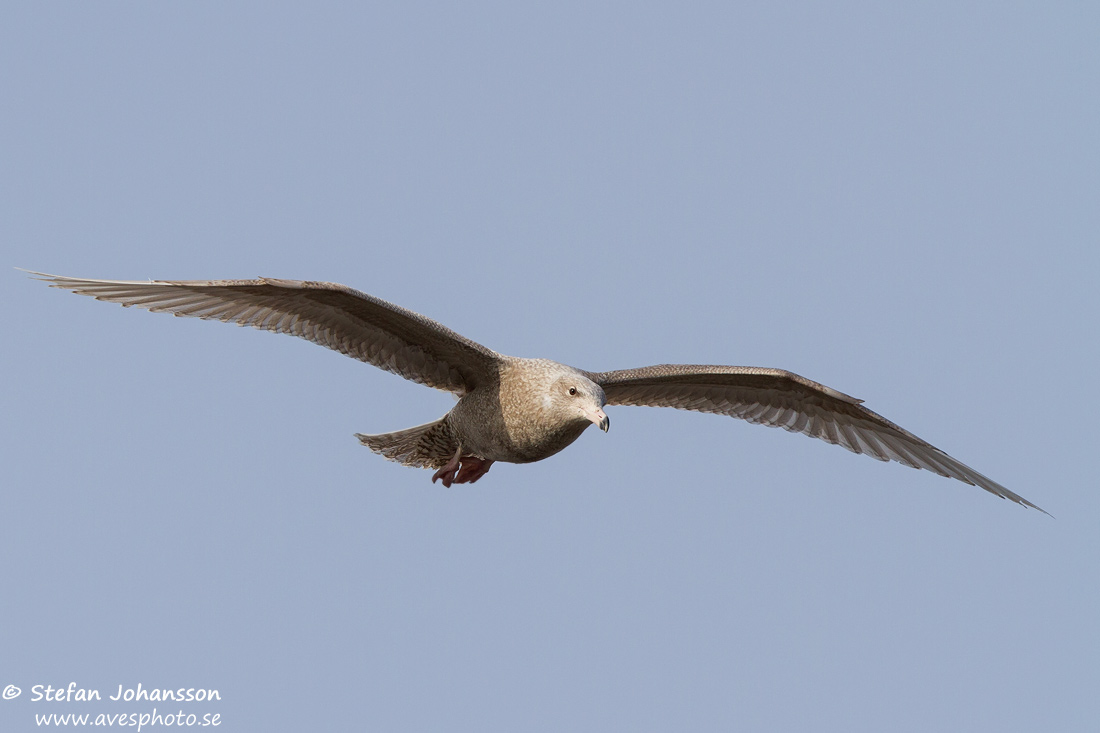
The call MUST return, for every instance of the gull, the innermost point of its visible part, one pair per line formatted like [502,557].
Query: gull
[512,409]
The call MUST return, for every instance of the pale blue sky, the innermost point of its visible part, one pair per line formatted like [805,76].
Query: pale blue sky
[903,204]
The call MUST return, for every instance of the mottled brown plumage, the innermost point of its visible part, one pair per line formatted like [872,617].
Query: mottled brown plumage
[519,410]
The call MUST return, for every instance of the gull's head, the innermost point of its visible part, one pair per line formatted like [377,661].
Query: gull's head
[578,397]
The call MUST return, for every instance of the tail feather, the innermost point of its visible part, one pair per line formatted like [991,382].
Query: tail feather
[425,446]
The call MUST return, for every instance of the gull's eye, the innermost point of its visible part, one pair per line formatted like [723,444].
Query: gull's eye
[572,391]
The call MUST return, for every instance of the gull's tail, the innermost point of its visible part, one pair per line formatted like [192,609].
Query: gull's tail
[425,446]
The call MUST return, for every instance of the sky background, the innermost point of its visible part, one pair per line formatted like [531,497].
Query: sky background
[900,202]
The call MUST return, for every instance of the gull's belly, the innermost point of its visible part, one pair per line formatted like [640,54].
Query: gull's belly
[503,433]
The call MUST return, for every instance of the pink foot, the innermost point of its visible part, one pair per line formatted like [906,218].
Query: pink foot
[450,470]
[472,469]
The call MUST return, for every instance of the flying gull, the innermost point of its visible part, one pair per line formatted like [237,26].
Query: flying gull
[512,409]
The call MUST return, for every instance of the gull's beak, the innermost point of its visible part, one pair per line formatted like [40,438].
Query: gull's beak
[598,417]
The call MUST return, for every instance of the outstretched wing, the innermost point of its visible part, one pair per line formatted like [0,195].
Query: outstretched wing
[780,399]
[334,316]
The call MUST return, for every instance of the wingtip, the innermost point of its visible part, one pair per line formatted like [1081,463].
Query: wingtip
[38,275]
[54,281]
[1022,501]
[1039,508]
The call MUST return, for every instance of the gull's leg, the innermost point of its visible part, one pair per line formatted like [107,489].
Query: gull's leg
[472,469]
[448,472]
